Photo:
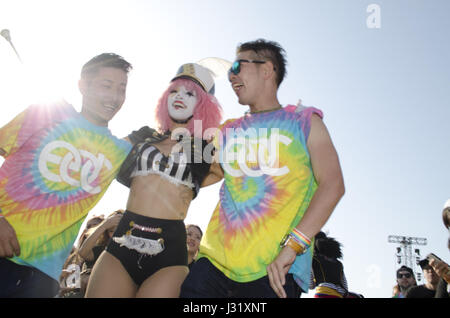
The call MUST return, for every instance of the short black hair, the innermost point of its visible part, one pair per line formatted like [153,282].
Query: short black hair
[405,269]
[270,50]
[105,60]
[327,246]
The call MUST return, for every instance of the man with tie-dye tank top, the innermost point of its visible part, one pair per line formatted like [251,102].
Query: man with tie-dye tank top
[58,164]
[282,180]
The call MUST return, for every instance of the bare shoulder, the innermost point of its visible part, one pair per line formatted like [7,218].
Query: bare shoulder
[319,132]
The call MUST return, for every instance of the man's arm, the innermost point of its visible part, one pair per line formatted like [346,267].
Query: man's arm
[9,245]
[215,175]
[328,174]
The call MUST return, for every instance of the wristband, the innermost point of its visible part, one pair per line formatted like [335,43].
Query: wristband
[299,249]
[301,238]
[289,240]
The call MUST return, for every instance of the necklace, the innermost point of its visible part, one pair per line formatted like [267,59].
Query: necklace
[182,121]
[264,111]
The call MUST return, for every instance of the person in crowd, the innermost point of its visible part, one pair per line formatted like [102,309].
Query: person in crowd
[92,222]
[405,280]
[194,236]
[147,256]
[328,272]
[70,279]
[441,268]
[432,284]
[446,219]
[92,242]
[282,180]
[98,237]
[58,163]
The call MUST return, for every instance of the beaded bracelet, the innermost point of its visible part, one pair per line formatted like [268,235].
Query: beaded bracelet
[301,238]
[145,229]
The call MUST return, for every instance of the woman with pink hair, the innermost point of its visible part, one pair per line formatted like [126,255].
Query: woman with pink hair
[147,256]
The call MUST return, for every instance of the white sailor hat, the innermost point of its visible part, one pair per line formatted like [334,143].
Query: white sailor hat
[198,74]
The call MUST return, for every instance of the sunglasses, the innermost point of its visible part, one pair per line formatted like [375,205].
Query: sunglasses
[236,66]
[406,275]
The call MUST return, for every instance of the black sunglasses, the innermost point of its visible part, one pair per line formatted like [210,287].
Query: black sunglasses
[236,66]
[407,275]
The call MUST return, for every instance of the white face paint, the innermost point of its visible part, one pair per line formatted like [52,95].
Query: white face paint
[181,103]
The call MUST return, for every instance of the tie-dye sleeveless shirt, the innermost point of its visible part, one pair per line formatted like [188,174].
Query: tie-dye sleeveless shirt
[57,166]
[268,185]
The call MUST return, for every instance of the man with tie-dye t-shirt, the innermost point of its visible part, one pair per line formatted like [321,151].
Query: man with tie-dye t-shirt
[58,164]
[282,180]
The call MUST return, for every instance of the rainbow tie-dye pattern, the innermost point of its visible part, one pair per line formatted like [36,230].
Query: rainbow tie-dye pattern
[263,198]
[57,166]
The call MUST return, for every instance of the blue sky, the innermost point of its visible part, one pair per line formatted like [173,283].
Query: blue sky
[384,93]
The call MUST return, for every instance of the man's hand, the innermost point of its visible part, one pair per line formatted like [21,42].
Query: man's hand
[9,245]
[441,268]
[278,270]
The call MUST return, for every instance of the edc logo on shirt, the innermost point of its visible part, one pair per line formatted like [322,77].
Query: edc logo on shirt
[252,146]
[75,160]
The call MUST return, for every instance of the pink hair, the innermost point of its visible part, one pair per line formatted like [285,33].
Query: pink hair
[208,109]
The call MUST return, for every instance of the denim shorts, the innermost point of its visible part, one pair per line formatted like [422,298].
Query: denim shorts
[20,281]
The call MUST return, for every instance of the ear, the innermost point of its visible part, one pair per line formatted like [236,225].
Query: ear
[268,70]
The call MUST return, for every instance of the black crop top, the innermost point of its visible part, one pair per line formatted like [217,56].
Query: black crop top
[145,158]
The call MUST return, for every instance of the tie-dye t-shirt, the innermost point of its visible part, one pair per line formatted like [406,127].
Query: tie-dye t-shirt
[268,185]
[57,166]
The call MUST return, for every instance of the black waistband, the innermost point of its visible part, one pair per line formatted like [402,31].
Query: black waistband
[138,218]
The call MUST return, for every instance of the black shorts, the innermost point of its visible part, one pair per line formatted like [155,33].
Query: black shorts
[141,265]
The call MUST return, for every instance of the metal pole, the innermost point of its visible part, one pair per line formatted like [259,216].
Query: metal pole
[406,243]
[7,35]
